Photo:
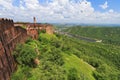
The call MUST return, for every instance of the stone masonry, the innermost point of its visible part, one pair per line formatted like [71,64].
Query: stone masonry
[10,36]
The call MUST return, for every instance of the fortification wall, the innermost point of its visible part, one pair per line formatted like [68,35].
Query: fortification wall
[10,36]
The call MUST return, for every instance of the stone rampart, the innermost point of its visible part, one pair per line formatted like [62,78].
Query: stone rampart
[10,36]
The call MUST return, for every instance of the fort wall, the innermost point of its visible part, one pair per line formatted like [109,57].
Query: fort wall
[10,36]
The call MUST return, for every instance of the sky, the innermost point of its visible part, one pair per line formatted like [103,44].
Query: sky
[62,11]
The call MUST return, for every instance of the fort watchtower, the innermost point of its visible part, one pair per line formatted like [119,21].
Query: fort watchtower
[34,20]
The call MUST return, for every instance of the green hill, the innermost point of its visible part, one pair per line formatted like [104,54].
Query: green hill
[65,58]
[109,35]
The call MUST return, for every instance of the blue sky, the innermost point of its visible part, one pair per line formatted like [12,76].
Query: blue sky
[62,11]
[113,4]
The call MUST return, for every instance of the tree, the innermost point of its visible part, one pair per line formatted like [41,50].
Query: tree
[25,55]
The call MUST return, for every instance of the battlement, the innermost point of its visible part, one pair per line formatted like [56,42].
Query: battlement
[7,23]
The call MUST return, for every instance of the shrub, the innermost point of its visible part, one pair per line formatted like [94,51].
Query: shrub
[72,75]
[25,55]
[22,73]
[56,43]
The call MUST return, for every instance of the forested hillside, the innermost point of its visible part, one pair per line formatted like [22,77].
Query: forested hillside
[64,58]
[110,35]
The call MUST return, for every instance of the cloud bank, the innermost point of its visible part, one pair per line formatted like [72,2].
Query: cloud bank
[57,11]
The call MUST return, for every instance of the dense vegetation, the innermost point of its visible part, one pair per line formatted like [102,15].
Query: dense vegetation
[110,35]
[65,58]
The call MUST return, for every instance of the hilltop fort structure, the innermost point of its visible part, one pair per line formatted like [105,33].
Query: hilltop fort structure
[33,28]
[10,35]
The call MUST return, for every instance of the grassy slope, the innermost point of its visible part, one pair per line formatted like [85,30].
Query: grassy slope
[72,61]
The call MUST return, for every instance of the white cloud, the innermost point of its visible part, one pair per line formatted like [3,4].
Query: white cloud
[6,3]
[31,4]
[111,10]
[104,6]
[65,11]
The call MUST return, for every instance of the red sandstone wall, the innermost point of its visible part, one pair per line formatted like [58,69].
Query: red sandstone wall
[32,29]
[32,32]
[10,36]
